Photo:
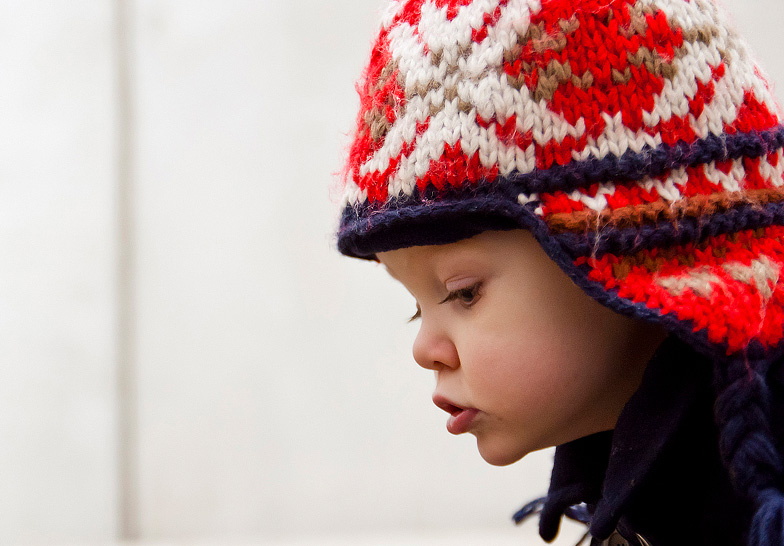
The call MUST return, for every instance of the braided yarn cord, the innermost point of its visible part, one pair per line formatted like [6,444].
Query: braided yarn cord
[746,445]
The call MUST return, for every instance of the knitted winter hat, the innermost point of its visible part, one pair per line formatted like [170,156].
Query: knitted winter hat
[636,139]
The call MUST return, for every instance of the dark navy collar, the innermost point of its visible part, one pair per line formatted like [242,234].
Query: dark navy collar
[607,470]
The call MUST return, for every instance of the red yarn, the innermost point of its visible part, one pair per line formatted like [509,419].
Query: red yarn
[732,307]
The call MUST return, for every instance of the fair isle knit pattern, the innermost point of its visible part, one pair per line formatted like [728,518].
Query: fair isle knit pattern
[637,140]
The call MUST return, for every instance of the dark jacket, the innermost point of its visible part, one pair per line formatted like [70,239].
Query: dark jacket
[658,474]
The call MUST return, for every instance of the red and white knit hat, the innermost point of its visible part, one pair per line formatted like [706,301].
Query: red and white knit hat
[636,139]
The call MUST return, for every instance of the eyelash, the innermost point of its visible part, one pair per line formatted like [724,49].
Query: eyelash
[467,297]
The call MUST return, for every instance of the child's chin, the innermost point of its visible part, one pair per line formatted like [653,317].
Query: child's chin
[498,454]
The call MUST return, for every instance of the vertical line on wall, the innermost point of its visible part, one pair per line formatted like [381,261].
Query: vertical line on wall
[127,424]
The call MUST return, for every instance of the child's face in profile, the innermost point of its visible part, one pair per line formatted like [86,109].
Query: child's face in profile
[523,358]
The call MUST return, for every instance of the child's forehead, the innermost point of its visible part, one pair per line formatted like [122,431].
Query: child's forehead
[406,261]
[477,251]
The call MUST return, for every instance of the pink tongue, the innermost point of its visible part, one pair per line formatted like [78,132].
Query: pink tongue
[461,421]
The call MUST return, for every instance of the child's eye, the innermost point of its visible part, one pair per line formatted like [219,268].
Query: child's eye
[416,315]
[465,296]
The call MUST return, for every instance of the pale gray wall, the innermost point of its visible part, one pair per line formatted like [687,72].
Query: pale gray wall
[183,353]
[58,307]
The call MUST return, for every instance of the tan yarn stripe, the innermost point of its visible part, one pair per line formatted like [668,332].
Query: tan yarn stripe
[376,118]
[653,63]
[639,26]
[699,34]
[759,273]
[554,75]
[638,22]
[557,73]
[700,281]
[659,211]
[762,272]
[463,51]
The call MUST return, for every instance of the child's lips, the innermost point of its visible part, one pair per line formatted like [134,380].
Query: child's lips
[460,419]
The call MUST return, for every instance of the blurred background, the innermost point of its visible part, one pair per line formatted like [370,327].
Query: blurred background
[184,357]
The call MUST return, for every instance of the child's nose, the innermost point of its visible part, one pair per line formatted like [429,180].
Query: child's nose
[433,350]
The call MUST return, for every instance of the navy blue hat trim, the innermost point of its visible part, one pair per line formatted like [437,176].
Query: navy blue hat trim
[429,223]
[449,219]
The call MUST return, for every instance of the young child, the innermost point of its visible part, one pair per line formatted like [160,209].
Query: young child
[585,199]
